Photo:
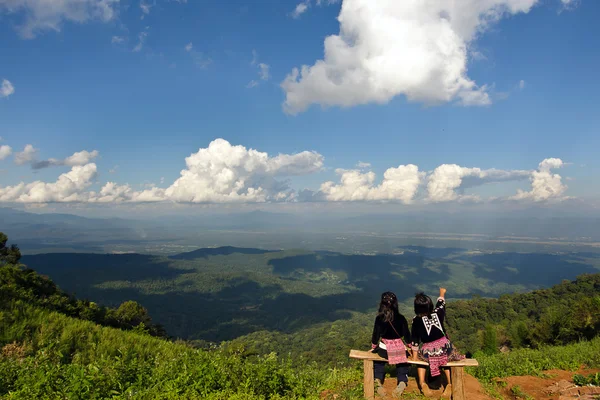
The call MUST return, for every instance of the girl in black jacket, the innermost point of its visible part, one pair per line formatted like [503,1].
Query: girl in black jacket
[389,329]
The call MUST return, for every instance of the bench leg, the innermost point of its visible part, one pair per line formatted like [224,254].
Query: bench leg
[369,385]
[458,388]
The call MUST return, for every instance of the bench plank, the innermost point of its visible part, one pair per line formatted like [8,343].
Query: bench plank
[367,355]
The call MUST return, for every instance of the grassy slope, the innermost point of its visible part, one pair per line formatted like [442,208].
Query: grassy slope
[63,357]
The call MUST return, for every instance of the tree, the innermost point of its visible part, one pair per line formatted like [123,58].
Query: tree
[490,340]
[8,255]
[132,314]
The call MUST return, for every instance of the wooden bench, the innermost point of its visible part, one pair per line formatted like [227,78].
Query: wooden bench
[456,369]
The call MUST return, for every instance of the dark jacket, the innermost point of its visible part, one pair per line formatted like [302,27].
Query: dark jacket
[434,322]
[384,330]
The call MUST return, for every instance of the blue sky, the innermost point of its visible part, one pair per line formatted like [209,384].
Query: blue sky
[88,83]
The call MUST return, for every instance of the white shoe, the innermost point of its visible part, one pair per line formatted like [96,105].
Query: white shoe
[379,388]
[399,390]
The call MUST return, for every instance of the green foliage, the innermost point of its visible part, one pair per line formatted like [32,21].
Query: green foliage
[490,340]
[590,380]
[533,362]
[23,284]
[519,394]
[8,255]
[70,358]
[563,314]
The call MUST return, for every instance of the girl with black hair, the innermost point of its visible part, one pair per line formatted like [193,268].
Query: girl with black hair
[428,330]
[390,327]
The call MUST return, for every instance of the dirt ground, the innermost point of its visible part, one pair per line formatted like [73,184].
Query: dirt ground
[555,384]
[473,389]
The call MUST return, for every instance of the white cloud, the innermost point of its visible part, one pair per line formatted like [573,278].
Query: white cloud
[44,15]
[141,41]
[7,88]
[569,4]
[5,151]
[446,179]
[327,2]
[80,158]
[68,188]
[113,170]
[145,7]
[521,84]
[29,156]
[388,48]
[544,184]
[199,58]
[399,184]
[26,156]
[114,193]
[225,173]
[117,39]
[300,9]
[264,71]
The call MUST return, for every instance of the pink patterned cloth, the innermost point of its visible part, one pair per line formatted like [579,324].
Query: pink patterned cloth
[436,353]
[396,351]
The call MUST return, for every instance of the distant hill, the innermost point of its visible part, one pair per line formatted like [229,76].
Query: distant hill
[215,294]
[217,251]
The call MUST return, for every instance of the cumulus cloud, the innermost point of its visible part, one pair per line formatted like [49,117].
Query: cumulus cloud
[388,48]
[28,155]
[117,39]
[114,193]
[447,179]
[5,151]
[544,184]
[44,15]
[6,89]
[225,173]
[399,184]
[68,188]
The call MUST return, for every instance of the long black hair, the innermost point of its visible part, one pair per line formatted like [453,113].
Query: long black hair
[423,305]
[388,306]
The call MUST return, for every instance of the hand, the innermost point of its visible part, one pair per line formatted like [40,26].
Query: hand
[442,292]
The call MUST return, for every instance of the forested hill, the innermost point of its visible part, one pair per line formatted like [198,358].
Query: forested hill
[565,313]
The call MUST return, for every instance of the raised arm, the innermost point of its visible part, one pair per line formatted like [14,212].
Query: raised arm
[440,306]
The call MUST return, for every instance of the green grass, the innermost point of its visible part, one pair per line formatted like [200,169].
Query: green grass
[53,356]
[534,362]
[590,380]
